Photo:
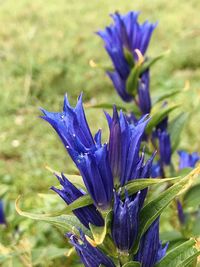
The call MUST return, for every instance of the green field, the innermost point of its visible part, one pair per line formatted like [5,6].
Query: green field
[45,49]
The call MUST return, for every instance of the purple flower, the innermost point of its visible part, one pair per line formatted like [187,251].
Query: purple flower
[125,35]
[150,250]
[144,94]
[156,170]
[125,221]
[2,215]
[165,147]
[97,176]
[89,155]
[89,255]
[72,127]
[124,148]
[187,160]
[69,193]
[181,214]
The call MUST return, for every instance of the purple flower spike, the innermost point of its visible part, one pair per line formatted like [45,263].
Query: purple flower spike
[187,160]
[2,215]
[89,255]
[151,251]
[126,34]
[69,193]
[125,221]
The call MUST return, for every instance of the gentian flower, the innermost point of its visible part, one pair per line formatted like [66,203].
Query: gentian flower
[89,255]
[126,35]
[124,227]
[181,215]
[144,94]
[165,147]
[150,250]
[2,215]
[69,193]
[156,170]
[89,155]
[97,176]
[124,148]
[72,127]
[187,160]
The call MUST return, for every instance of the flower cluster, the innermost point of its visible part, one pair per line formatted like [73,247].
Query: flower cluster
[105,168]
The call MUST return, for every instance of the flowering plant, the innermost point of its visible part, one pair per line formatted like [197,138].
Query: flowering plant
[112,218]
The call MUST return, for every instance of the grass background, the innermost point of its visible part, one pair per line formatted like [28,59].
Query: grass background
[45,49]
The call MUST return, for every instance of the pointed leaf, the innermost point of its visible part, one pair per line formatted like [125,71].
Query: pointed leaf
[67,222]
[132,81]
[132,264]
[153,209]
[175,129]
[158,116]
[138,184]
[178,255]
[153,60]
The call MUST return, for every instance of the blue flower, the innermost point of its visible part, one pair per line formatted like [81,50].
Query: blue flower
[126,34]
[165,147]
[89,255]
[89,155]
[124,148]
[181,214]
[69,193]
[150,250]
[156,170]
[72,127]
[187,160]
[97,176]
[144,94]
[2,215]
[124,227]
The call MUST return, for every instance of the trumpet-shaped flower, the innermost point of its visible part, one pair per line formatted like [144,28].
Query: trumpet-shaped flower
[125,221]
[89,155]
[150,250]
[187,160]
[97,176]
[181,214]
[89,255]
[125,36]
[165,147]
[2,215]
[69,193]
[72,127]
[124,148]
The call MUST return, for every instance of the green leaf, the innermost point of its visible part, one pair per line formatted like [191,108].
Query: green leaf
[132,264]
[135,185]
[190,261]
[164,96]
[153,209]
[99,233]
[158,115]
[132,81]
[106,106]
[191,199]
[175,129]
[178,255]
[67,222]
[152,61]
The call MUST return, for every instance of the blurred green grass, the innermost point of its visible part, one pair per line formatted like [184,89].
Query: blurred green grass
[45,49]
